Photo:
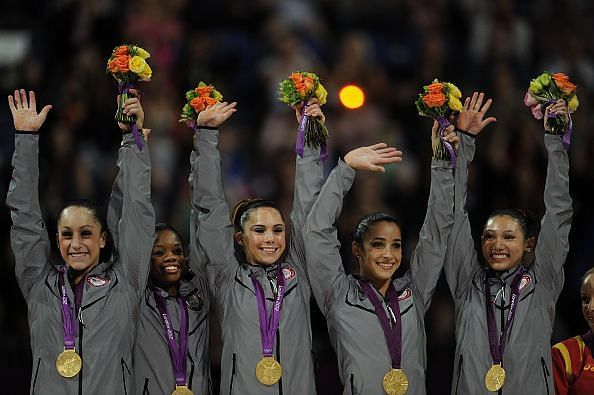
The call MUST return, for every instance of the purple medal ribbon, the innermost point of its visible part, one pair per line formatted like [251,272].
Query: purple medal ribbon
[300,143]
[177,350]
[497,346]
[443,124]
[393,333]
[124,87]
[269,323]
[68,316]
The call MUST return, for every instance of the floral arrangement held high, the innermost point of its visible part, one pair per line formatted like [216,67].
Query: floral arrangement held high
[545,90]
[127,64]
[439,101]
[299,88]
[197,100]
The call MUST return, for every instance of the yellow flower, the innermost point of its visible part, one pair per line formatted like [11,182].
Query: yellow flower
[454,91]
[573,103]
[544,79]
[146,72]
[535,87]
[142,53]
[217,95]
[454,103]
[321,94]
[136,64]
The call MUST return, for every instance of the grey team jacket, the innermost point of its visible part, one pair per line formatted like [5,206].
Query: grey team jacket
[153,369]
[527,356]
[232,287]
[109,311]
[353,326]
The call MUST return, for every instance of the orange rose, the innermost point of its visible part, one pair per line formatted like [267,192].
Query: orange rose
[432,100]
[435,88]
[560,77]
[204,91]
[111,66]
[562,82]
[210,101]
[309,83]
[198,104]
[296,78]
[121,63]
[121,50]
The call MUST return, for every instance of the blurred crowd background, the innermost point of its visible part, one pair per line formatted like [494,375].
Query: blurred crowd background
[245,48]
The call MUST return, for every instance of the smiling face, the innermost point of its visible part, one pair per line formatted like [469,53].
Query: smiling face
[380,253]
[167,260]
[80,238]
[504,243]
[587,297]
[263,236]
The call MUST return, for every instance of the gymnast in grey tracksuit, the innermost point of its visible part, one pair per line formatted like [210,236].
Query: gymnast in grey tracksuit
[107,295]
[527,356]
[232,279]
[353,324]
[171,279]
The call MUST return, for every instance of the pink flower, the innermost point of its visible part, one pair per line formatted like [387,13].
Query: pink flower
[537,111]
[529,100]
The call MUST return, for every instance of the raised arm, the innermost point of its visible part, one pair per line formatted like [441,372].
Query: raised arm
[429,254]
[323,259]
[215,231]
[135,229]
[461,255]
[28,234]
[553,241]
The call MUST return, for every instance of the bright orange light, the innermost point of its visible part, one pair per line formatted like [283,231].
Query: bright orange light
[352,97]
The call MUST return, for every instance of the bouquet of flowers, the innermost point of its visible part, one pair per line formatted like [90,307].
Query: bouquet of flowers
[127,64]
[545,90]
[300,87]
[197,100]
[439,101]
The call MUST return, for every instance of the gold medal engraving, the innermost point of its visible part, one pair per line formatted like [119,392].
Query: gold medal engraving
[182,390]
[495,378]
[68,363]
[395,382]
[268,371]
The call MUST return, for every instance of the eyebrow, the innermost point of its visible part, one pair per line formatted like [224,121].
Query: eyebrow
[384,239]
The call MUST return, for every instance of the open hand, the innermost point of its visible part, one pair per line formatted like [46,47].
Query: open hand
[313,109]
[24,113]
[471,117]
[373,158]
[215,115]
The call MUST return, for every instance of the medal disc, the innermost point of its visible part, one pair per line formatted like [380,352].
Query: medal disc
[68,363]
[395,382]
[495,378]
[268,371]
[182,390]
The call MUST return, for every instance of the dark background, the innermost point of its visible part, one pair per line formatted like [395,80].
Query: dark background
[245,48]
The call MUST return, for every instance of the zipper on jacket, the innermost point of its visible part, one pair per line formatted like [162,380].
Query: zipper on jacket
[36,373]
[124,371]
[145,388]
[459,374]
[352,384]
[545,373]
[278,358]
[191,371]
[232,373]
[80,353]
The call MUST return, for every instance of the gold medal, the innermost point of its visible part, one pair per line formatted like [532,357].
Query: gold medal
[182,390]
[268,371]
[395,382]
[495,378]
[68,363]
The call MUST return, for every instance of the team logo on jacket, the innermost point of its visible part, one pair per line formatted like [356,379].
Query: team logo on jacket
[525,281]
[194,302]
[97,281]
[289,273]
[406,294]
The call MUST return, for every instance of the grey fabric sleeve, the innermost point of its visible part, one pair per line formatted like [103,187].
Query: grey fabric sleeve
[553,241]
[28,234]
[197,256]
[461,258]
[309,179]
[215,231]
[135,229]
[429,255]
[323,248]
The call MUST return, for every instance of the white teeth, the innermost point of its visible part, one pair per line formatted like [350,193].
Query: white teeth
[269,250]
[170,268]
[385,266]
[499,256]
